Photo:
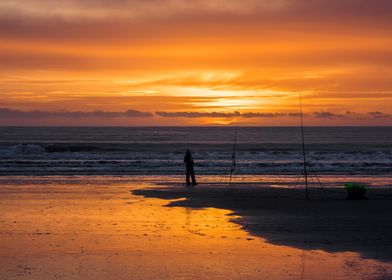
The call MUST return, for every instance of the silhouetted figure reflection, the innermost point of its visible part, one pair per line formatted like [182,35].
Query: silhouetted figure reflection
[188,160]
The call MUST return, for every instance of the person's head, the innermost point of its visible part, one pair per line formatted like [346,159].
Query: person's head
[188,152]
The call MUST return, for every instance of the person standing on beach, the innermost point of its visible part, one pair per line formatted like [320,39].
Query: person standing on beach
[188,160]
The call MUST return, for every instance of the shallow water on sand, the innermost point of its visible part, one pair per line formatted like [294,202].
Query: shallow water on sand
[95,228]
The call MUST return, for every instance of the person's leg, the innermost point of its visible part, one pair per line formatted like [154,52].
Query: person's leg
[193,177]
[188,174]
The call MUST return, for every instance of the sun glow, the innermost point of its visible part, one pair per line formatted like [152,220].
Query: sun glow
[229,103]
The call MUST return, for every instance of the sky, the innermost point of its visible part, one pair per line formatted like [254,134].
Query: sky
[199,62]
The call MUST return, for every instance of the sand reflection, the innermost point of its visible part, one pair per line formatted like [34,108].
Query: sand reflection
[100,230]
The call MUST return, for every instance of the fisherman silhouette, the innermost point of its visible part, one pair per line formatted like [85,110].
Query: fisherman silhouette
[188,160]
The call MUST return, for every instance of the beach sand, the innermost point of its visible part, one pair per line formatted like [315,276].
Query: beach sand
[117,229]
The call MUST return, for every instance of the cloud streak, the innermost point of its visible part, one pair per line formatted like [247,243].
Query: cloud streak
[223,115]
[249,115]
[327,115]
[196,114]
[153,9]
[134,117]
[380,115]
[17,114]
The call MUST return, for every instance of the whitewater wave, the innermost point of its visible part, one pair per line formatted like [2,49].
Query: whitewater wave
[160,150]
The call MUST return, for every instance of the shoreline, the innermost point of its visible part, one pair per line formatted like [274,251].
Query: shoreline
[275,180]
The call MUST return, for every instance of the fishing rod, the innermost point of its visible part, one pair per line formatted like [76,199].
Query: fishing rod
[306,164]
[303,148]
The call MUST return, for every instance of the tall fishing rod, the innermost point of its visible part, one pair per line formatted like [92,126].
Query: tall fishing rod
[303,148]
[233,156]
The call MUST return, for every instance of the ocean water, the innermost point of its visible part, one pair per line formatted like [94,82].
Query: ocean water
[160,150]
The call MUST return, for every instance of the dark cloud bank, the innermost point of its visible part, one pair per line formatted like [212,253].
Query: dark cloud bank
[6,113]
[221,115]
[318,115]
[17,114]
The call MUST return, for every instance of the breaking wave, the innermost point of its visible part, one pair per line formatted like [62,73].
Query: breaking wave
[160,150]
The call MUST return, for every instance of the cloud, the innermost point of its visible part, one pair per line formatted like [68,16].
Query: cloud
[196,114]
[327,115]
[85,20]
[352,115]
[222,115]
[379,115]
[37,114]
[153,9]
[262,115]
[102,117]
[318,115]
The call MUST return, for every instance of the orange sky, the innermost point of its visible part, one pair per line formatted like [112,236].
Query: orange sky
[181,62]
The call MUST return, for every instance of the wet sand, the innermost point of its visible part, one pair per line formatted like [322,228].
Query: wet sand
[108,229]
[282,216]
